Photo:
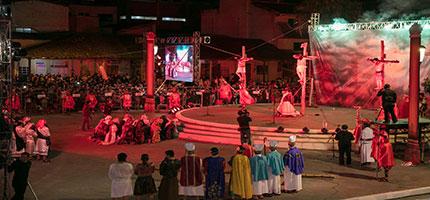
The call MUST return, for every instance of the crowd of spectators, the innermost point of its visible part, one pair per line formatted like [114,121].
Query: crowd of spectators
[49,93]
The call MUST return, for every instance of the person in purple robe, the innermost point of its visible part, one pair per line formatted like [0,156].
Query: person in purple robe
[214,171]
[294,167]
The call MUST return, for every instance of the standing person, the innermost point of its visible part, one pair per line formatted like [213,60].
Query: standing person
[259,171]
[294,167]
[93,100]
[26,132]
[366,138]
[382,151]
[21,167]
[240,178]
[276,168]
[389,98]
[86,115]
[120,173]
[144,188]
[169,168]
[214,172]
[245,131]
[191,182]
[126,101]
[43,140]
[68,102]
[344,137]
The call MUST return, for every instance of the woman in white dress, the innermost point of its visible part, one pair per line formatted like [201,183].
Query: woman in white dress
[285,108]
[43,140]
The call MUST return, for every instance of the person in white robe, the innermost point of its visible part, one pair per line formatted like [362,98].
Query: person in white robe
[27,133]
[285,107]
[120,174]
[294,167]
[366,138]
[43,139]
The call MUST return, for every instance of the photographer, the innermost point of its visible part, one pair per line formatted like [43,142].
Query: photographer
[389,99]
[245,131]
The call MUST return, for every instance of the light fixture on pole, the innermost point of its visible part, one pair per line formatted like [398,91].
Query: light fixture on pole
[422,53]
[155,49]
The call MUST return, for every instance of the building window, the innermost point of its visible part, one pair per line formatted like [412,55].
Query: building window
[175,19]
[143,17]
[24,30]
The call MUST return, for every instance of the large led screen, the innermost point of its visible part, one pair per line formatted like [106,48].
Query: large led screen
[178,61]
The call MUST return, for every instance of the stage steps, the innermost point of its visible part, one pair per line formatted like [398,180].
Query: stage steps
[217,133]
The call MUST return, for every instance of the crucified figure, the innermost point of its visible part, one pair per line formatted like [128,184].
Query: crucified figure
[301,62]
[245,97]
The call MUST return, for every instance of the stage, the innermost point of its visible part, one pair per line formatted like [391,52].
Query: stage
[217,124]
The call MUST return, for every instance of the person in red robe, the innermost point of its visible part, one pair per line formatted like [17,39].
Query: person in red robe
[13,103]
[126,101]
[191,180]
[68,102]
[382,151]
[93,100]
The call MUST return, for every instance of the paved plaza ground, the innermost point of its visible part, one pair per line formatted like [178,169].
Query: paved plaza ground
[78,168]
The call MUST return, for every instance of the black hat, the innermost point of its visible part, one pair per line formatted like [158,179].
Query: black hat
[214,151]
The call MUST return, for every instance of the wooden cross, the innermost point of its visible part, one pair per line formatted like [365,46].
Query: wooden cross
[379,64]
[301,73]
[241,67]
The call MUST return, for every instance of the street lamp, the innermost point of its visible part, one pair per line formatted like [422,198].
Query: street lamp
[422,53]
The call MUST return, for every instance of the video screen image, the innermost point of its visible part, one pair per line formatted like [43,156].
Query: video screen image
[178,61]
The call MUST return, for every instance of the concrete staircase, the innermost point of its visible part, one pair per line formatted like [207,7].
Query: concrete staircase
[217,133]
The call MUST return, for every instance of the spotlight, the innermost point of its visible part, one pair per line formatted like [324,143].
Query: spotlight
[24,87]
[324,131]
[305,130]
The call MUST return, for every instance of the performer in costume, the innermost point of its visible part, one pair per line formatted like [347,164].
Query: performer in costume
[285,107]
[276,168]
[110,137]
[169,168]
[27,133]
[43,140]
[120,173]
[225,93]
[382,151]
[240,179]
[214,172]
[294,167]
[144,188]
[259,171]
[92,99]
[174,99]
[191,181]
[13,103]
[366,138]
[126,101]
[245,97]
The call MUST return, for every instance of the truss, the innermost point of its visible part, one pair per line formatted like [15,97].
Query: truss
[425,24]
[196,56]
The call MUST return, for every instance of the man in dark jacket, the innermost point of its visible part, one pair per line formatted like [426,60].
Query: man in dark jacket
[344,137]
[20,177]
[389,99]
[245,131]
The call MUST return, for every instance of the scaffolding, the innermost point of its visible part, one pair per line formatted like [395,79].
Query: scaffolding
[6,84]
[369,26]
